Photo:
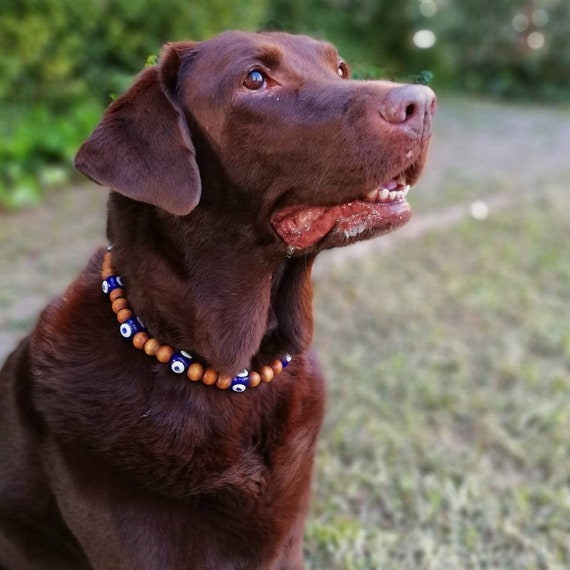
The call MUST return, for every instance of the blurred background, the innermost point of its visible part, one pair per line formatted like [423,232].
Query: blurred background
[61,61]
[446,345]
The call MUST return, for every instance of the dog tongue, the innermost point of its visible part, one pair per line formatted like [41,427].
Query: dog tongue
[303,227]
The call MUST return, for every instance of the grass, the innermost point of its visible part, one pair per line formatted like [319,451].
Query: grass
[447,439]
[446,444]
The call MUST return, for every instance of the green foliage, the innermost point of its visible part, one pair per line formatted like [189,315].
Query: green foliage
[36,148]
[374,33]
[478,46]
[64,60]
[488,52]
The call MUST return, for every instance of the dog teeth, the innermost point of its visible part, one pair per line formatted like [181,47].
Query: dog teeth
[372,196]
[388,195]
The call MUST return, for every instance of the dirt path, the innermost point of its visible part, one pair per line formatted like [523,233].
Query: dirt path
[481,151]
[41,250]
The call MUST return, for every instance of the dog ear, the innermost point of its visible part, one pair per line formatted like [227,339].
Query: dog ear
[142,147]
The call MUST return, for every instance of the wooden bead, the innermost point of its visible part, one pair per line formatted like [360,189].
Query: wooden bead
[224,381]
[107,272]
[277,367]
[164,353]
[107,258]
[140,339]
[116,293]
[266,373]
[118,304]
[210,377]
[195,372]
[124,315]
[254,379]
[151,346]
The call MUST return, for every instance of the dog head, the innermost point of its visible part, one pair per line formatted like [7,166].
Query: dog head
[271,128]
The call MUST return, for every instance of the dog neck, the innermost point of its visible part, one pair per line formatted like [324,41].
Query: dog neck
[217,293]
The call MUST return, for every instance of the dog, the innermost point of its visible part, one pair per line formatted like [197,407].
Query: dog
[164,411]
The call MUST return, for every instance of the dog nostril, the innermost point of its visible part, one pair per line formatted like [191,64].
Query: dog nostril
[410,110]
[409,105]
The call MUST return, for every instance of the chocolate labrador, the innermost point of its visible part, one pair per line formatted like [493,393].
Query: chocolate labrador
[163,413]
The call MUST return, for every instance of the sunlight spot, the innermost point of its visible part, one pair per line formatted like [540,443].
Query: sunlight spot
[428,8]
[479,210]
[520,23]
[540,18]
[536,40]
[424,39]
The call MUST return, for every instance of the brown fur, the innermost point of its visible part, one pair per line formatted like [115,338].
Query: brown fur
[109,460]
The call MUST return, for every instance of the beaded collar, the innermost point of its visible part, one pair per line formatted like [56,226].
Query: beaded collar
[180,361]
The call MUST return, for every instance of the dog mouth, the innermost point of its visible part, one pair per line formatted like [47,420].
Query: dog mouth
[378,211]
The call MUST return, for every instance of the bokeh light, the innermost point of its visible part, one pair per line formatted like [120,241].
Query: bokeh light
[424,39]
[428,8]
[536,40]
[521,23]
[540,18]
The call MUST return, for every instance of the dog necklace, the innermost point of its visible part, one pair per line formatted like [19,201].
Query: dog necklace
[180,361]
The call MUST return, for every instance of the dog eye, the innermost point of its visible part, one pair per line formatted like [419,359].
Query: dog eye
[342,70]
[255,80]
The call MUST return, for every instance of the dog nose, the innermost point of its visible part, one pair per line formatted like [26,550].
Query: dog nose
[409,105]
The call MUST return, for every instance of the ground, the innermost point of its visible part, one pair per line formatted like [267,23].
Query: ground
[447,439]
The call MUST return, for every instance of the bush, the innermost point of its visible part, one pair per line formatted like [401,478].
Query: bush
[63,61]
[37,145]
[508,49]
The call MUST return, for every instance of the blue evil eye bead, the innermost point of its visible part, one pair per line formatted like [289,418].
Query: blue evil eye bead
[180,362]
[113,282]
[131,327]
[241,382]
[286,360]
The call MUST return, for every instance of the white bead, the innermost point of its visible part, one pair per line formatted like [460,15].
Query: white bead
[238,387]
[126,330]
[178,367]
